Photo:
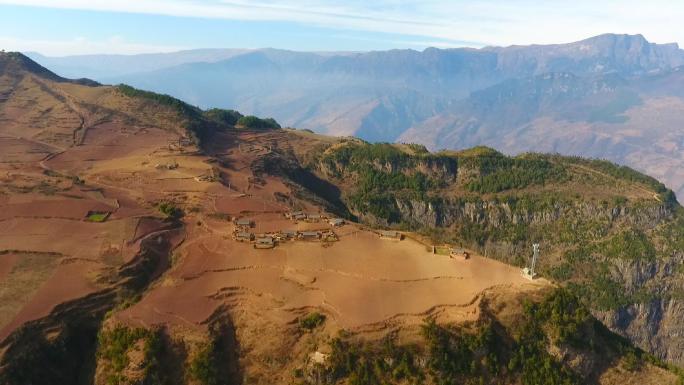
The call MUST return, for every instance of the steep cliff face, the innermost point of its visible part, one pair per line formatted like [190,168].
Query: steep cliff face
[609,233]
[494,213]
[656,323]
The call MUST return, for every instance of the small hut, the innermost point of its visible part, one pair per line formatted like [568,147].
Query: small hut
[336,222]
[294,214]
[391,234]
[310,235]
[244,223]
[244,236]
[264,243]
[313,217]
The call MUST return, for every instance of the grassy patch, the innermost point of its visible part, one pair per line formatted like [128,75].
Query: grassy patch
[98,217]
[29,272]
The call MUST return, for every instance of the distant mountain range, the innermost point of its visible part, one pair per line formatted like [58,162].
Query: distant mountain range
[617,97]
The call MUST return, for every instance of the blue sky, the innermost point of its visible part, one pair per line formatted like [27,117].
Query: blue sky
[68,27]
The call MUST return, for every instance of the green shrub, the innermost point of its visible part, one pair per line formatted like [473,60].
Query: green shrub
[251,121]
[203,365]
[170,210]
[312,321]
[230,117]
[114,346]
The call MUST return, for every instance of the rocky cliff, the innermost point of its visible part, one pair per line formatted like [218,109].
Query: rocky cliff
[607,232]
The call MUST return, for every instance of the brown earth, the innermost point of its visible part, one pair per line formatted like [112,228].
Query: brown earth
[67,149]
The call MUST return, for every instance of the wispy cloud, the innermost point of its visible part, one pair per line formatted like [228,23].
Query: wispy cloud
[81,46]
[447,22]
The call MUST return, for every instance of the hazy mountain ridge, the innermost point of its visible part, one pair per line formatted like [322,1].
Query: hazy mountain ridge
[617,97]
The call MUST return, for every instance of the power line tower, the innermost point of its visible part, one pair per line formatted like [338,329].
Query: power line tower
[529,272]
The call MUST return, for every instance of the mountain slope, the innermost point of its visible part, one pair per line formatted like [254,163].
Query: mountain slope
[606,231]
[630,121]
[120,261]
[452,98]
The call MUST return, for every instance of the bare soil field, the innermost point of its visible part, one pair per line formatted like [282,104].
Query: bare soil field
[18,150]
[25,274]
[54,208]
[357,281]
[67,281]
[7,261]
[49,252]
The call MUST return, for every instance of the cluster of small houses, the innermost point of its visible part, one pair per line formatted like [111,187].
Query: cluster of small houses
[297,216]
[243,227]
[269,240]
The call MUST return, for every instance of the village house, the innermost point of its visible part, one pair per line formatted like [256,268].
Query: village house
[244,223]
[336,222]
[391,234]
[293,214]
[244,236]
[264,243]
[313,217]
[290,234]
[310,235]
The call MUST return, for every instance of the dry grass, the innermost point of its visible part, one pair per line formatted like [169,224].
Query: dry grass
[28,273]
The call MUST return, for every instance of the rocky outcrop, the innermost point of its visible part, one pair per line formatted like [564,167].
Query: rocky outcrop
[446,212]
[654,326]
[656,323]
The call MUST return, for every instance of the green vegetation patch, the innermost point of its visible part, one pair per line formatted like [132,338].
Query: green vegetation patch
[170,210]
[628,244]
[312,320]
[163,99]
[220,115]
[486,352]
[203,366]
[383,172]
[114,346]
[371,364]
[251,121]
[498,172]
[98,216]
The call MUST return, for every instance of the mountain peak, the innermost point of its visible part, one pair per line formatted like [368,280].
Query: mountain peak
[16,64]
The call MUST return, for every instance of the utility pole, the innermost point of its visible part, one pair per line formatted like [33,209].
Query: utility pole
[535,257]
[528,272]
